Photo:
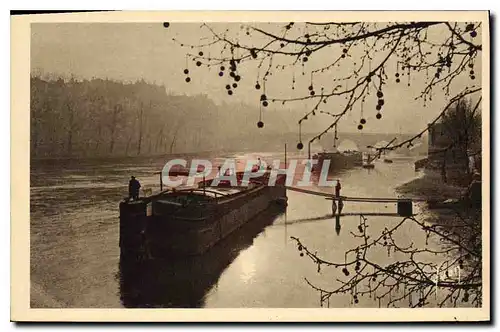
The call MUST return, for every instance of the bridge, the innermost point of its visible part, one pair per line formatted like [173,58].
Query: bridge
[361,140]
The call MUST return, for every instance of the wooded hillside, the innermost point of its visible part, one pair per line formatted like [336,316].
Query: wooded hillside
[99,117]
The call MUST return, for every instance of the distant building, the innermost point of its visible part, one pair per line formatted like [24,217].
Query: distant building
[445,155]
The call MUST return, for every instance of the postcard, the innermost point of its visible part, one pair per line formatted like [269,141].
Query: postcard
[251,166]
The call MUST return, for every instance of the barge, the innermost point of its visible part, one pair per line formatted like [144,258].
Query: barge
[338,160]
[188,222]
[184,282]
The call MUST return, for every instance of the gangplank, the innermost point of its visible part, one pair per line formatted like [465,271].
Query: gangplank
[404,205]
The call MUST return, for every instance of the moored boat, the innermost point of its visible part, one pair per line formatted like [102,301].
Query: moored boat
[190,221]
[338,159]
[368,165]
[183,282]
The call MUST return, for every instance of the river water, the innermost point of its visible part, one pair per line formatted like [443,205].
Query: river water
[75,258]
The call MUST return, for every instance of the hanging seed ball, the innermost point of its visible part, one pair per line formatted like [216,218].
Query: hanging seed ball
[312,93]
[263,97]
[305,59]
[166,24]
[300,146]
[300,247]
[472,72]
[265,103]
[221,73]
[198,63]
[222,68]
[472,77]
[301,254]
[344,50]
[380,94]
[362,121]
[356,301]
[188,79]
[260,124]
[200,53]
[229,92]
[306,35]
[397,75]
[381,102]
[378,116]
[343,55]
[235,85]
[308,52]
[228,87]
[282,45]
[360,126]
[257,86]
[232,74]
[368,79]
[378,107]
[473,34]
[398,80]
[471,65]
[186,71]
[237,78]
[310,87]
[436,75]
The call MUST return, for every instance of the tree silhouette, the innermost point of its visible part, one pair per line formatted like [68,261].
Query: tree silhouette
[441,59]
[378,54]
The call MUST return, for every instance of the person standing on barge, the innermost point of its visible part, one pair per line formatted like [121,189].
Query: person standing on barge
[133,188]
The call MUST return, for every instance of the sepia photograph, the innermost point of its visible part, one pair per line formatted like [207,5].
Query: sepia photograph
[325,166]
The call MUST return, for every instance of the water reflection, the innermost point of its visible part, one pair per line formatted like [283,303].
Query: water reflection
[183,283]
[337,224]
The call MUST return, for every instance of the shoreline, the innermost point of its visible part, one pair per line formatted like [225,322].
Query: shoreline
[432,188]
[445,207]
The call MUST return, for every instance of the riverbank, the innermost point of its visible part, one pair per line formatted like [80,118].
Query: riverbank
[454,217]
[432,188]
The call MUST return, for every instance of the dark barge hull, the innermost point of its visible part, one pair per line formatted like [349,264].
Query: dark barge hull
[152,229]
[184,282]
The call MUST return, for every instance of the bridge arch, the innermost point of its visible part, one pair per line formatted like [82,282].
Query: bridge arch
[347,144]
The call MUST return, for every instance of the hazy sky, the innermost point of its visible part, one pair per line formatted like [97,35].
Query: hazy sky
[131,51]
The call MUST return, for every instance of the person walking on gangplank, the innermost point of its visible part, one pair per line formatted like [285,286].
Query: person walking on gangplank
[337,195]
